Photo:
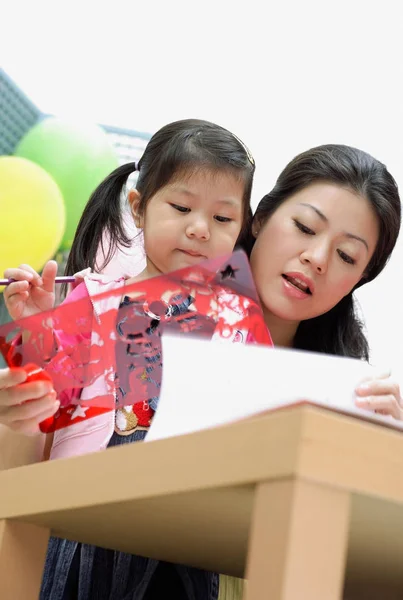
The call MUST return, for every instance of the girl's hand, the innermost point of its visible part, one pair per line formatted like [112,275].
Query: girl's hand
[24,405]
[30,293]
[381,395]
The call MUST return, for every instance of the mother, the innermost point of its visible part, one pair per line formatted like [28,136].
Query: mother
[327,227]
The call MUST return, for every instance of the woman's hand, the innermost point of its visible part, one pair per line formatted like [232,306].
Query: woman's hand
[31,293]
[381,395]
[24,405]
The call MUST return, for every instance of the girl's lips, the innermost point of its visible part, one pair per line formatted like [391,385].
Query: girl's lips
[192,253]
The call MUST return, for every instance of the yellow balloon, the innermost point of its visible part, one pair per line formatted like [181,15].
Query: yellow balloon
[33,217]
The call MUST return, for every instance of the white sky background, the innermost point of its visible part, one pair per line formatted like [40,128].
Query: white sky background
[284,76]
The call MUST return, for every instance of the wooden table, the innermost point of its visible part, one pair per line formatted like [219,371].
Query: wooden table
[298,501]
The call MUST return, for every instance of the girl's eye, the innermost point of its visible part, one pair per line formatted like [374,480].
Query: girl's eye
[346,258]
[182,209]
[303,228]
[222,219]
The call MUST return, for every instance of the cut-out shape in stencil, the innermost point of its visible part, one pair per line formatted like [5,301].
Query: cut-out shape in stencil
[228,273]
[106,352]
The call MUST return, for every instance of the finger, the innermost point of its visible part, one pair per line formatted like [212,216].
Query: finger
[384,374]
[29,410]
[384,404]
[16,287]
[379,387]
[16,303]
[18,274]
[22,272]
[36,278]
[48,275]
[11,377]
[31,426]
[26,391]
[13,301]
[17,293]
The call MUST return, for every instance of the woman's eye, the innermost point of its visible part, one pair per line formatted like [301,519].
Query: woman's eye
[182,209]
[346,258]
[222,219]
[303,228]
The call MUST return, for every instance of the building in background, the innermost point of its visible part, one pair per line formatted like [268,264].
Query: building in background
[129,144]
[18,114]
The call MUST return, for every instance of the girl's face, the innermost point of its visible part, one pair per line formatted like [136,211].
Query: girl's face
[312,252]
[190,220]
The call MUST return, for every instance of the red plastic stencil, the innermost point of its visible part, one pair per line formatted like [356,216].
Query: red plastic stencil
[105,352]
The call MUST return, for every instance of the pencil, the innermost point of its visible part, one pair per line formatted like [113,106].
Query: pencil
[57,280]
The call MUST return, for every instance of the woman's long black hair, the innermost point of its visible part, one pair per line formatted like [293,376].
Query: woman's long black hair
[339,331]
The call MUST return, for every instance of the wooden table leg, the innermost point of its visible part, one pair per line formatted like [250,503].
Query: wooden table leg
[298,542]
[22,559]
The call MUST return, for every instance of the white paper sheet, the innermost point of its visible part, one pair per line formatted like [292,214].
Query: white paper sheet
[206,384]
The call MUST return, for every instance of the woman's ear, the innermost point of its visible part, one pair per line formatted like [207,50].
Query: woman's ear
[134,198]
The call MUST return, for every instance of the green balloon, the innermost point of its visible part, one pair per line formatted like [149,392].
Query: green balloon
[78,157]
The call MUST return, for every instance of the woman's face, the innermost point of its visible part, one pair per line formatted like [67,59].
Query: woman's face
[312,251]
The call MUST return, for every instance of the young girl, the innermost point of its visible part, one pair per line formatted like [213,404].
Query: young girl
[192,203]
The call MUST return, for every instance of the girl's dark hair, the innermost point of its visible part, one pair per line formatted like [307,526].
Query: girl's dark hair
[339,331]
[179,148]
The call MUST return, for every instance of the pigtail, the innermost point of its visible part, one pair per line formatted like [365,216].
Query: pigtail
[102,214]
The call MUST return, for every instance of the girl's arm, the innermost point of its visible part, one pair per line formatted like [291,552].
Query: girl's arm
[17,449]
